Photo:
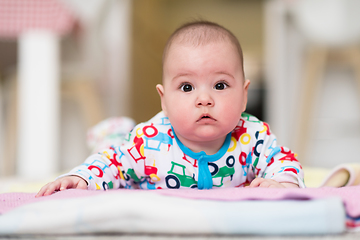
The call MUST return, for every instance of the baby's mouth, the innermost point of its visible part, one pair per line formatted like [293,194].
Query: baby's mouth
[206,117]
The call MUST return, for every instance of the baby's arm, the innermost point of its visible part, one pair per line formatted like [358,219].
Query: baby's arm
[62,184]
[270,183]
[274,166]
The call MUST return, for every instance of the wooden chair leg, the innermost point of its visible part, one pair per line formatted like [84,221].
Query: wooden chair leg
[2,128]
[315,61]
[354,56]
[10,131]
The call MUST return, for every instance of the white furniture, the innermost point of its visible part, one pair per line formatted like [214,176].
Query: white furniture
[38,103]
[300,35]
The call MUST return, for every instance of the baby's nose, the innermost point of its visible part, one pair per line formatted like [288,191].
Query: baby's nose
[205,100]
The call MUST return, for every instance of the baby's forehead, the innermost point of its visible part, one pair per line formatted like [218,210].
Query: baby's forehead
[178,48]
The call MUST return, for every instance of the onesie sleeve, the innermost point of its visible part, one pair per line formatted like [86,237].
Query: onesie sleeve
[100,170]
[274,162]
[115,167]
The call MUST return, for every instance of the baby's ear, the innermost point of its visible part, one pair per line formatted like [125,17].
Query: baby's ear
[245,96]
[160,90]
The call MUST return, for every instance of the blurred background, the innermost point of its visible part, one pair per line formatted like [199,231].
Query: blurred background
[103,58]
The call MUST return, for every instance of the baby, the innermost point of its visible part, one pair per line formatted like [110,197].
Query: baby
[202,138]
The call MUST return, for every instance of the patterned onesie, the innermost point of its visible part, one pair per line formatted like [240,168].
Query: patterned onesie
[152,157]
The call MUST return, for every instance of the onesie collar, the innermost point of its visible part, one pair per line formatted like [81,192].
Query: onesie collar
[204,175]
[202,154]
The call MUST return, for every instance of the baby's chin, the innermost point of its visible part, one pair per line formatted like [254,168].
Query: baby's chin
[208,136]
[201,133]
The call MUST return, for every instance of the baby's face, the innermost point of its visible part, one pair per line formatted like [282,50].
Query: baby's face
[204,92]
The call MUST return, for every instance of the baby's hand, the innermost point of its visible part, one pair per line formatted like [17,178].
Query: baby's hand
[62,184]
[269,183]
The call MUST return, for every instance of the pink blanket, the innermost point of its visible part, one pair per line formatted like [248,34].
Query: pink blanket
[349,195]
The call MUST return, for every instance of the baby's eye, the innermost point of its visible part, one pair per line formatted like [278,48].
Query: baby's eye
[220,86]
[186,87]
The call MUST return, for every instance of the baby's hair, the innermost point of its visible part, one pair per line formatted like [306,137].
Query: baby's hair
[200,33]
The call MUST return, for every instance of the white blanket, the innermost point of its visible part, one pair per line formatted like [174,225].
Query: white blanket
[152,212]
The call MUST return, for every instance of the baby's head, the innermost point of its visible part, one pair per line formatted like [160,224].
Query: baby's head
[202,33]
[204,90]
